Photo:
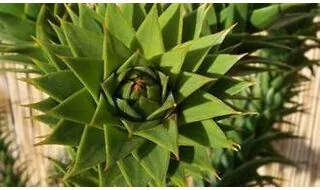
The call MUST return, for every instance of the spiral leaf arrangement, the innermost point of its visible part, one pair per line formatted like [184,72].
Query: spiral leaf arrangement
[130,88]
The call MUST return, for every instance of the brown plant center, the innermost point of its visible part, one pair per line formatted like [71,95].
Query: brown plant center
[138,85]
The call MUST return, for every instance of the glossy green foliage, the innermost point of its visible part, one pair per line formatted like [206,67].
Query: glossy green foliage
[128,84]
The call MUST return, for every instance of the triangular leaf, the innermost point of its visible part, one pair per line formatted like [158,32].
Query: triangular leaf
[219,65]
[192,23]
[105,114]
[44,105]
[112,177]
[159,113]
[205,133]
[46,119]
[16,28]
[134,60]
[189,83]
[133,172]
[65,133]
[79,107]
[87,18]
[150,26]
[157,170]
[199,48]
[109,87]
[118,25]
[60,34]
[83,42]
[134,13]
[171,26]
[45,67]
[55,84]
[126,108]
[196,162]
[145,106]
[91,151]
[164,81]
[171,62]
[89,72]
[74,17]
[133,126]
[115,53]
[229,87]
[201,106]
[212,21]
[235,13]
[118,144]
[50,51]
[165,134]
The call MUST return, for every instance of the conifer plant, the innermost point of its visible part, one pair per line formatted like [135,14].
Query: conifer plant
[130,88]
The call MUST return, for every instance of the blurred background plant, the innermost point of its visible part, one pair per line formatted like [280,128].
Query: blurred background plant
[12,173]
[276,35]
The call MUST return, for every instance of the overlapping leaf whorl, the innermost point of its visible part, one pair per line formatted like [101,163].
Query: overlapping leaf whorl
[139,92]
[132,89]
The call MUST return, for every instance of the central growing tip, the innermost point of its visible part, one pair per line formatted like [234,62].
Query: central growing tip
[139,93]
